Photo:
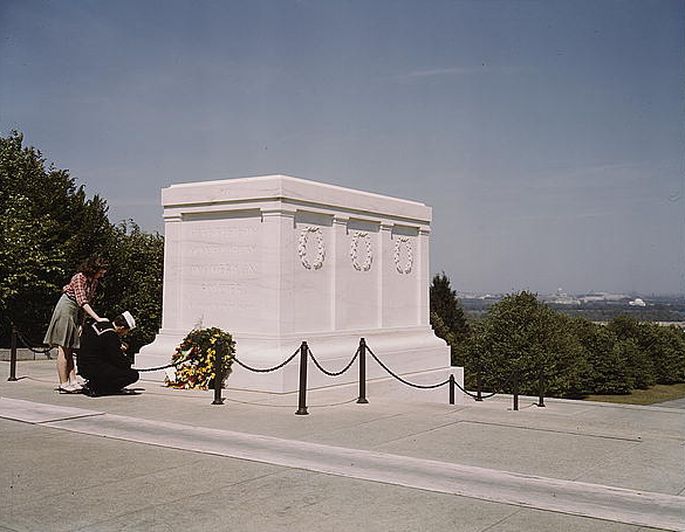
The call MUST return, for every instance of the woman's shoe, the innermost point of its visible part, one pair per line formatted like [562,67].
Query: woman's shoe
[68,388]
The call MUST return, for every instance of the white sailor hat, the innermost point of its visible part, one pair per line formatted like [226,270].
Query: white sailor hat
[129,320]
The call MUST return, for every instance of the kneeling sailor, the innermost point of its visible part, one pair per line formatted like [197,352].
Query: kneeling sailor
[101,358]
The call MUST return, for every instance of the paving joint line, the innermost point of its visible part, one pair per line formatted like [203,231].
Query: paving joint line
[500,521]
[426,431]
[355,425]
[636,439]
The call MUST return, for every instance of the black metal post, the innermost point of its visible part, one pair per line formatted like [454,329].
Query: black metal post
[218,377]
[362,372]
[516,389]
[541,382]
[479,386]
[302,399]
[13,354]
[451,385]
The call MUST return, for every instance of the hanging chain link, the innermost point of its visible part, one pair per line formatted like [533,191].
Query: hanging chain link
[395,375]
[333,373]
[267,370]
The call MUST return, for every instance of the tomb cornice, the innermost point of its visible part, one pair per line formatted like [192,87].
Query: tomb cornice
[286,207]
[292,190]
[278,211]
[172,216]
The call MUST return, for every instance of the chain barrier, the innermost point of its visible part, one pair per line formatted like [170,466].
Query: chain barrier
[158,368]
[474,395]
[333,373]
[28,346]
[482,397]
[307,353]
[485,396]
[413,385]
[438,385]
[267,370]
[45,351]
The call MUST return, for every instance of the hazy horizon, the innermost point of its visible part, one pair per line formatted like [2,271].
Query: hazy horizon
[547,136]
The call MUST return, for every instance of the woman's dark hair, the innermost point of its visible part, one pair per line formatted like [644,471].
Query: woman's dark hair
[92,265]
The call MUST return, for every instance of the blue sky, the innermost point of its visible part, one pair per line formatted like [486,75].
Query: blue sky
[548,136]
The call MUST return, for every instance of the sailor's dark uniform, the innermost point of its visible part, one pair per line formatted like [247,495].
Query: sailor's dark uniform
[101,360]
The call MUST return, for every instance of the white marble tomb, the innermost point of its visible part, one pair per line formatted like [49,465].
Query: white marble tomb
[276,260]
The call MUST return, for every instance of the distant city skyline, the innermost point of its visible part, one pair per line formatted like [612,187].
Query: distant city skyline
[599,295]
[548,136]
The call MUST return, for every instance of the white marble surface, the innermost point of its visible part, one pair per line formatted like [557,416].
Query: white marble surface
[278,260]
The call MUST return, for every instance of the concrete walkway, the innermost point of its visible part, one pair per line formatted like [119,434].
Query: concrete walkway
[168,460]
[676,403]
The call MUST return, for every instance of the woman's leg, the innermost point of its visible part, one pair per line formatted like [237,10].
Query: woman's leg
[72,368]
[64,358]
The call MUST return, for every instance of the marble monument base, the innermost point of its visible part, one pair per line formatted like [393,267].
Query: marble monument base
[404,351]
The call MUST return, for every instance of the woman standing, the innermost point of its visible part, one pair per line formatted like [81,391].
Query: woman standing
[68,316]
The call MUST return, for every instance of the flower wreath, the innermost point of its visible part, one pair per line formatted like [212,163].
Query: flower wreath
[195,357]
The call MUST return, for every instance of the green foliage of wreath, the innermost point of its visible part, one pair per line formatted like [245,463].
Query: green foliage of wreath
[195,358]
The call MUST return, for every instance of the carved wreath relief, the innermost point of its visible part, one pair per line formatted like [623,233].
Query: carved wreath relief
[403,256]
[303,251]
[363,240]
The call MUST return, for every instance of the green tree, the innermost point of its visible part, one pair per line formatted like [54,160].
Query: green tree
[441,331]
[48,226]
[659,354]
[134,281]
[666,349]
[639,365]
[521,334]
[626,328]
[606,371]
[30,266]
[447,316]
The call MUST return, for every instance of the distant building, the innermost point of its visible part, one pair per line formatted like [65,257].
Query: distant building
[561,298]
[602,296]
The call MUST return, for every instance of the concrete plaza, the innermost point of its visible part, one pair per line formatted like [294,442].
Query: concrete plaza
[169,460]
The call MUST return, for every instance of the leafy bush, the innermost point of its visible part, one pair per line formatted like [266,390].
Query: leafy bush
[196,355]
[572,356]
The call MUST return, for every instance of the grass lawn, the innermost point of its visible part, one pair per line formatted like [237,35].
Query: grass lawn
[650,396]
